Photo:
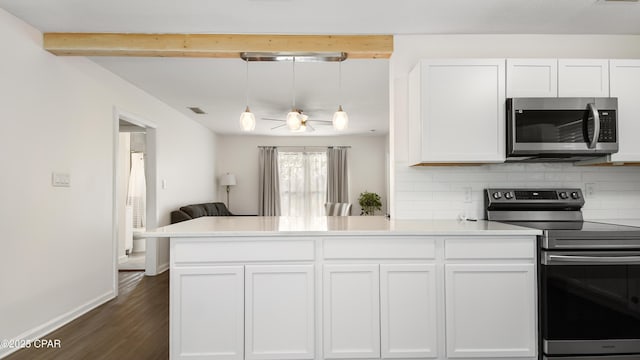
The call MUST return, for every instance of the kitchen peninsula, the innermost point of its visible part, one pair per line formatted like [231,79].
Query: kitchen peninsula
[350,287]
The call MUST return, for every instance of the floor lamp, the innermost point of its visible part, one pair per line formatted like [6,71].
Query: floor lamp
[228,180]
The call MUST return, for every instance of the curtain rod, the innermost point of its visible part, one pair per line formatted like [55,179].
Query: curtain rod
[304,147]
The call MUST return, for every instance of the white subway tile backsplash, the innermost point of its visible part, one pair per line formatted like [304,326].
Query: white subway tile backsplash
[528,177]
[562,176]
[439,192]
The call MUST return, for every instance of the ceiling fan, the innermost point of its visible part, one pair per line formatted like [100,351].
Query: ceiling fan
[305,122]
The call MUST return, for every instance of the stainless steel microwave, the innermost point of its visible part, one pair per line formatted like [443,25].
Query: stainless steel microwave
[561,129]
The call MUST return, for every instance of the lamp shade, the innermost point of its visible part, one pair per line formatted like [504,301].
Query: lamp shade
[227,180]
[340,119]
[247,120]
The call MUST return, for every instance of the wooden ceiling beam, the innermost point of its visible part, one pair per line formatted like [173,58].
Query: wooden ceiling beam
[213,45]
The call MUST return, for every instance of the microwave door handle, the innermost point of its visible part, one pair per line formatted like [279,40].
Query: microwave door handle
[581,259]
[596,125]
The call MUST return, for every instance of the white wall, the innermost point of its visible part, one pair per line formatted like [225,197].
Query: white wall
[436,192]
[57,115]
[239,155]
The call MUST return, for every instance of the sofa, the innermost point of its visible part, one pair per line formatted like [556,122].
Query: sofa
[197,210]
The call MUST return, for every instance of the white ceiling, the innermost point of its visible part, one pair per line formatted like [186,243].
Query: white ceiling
[218,86]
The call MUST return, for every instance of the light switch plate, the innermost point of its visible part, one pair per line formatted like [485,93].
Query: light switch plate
[59,179]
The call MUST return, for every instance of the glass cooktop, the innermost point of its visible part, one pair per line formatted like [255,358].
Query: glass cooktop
[587,226]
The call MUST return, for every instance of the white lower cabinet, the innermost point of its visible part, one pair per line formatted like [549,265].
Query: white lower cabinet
[399,298]
[383,311]
[279,312]
[408,311]
[207,312]
[351,312]
[490,310]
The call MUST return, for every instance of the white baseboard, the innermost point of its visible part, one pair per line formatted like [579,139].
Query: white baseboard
[41,331]
[161,268]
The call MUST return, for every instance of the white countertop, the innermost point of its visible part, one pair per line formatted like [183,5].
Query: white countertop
[212,226]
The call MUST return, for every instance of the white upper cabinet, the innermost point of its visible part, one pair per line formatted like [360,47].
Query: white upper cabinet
[532,78]
[583,78]
[625,85]
[457,111]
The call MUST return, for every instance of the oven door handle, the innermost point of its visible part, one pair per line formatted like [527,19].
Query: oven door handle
[596,126]
[549,259]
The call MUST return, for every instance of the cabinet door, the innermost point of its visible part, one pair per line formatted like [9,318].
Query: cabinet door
[207,313]
[490,310]
[583,78]
[462,110]
[625,85]
[532,78]
[351,312]
[279,310]
[408,311]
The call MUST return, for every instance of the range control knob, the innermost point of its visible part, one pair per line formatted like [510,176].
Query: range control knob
[563,195]
[497,195]
[575,195]
[508,195]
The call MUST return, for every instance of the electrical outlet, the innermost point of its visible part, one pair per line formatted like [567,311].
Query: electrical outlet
[590,190]
[468,194]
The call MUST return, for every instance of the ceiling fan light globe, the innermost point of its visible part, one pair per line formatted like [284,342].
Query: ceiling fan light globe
[302,128]
[293,120]
[247,121]
[340,120]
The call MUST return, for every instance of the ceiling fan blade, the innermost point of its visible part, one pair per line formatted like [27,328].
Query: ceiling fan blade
[322,121]
[279,126]
[271,119]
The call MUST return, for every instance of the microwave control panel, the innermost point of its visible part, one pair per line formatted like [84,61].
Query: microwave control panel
[607,126]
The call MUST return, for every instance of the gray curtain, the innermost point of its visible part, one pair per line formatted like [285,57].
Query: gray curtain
[337,175]
[269,182]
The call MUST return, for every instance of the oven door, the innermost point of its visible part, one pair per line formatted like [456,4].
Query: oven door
[590,302]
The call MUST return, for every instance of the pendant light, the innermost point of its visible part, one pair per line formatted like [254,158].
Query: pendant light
[247,119]
[340,118]
[294,122]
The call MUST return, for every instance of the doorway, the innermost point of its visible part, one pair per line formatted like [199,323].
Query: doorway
[134,200]
[131,197]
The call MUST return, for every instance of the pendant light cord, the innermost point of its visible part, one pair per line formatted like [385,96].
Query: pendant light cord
[340,83]
[247,84]
[293,84]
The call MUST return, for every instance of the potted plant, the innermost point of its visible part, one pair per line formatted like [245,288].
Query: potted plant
[369,202]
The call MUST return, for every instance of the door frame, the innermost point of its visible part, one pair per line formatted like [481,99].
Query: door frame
[151,258]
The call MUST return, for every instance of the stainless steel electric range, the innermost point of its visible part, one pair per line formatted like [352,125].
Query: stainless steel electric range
[588,274]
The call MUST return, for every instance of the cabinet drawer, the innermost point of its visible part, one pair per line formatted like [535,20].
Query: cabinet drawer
[197,251]
[376,248]
[490,248]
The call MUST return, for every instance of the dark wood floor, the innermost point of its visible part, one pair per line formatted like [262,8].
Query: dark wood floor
[135,325]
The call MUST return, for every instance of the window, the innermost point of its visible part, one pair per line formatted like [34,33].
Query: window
[303,183]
